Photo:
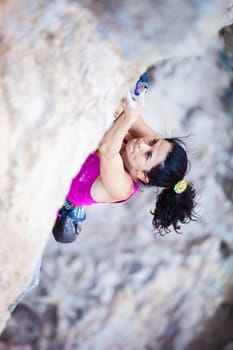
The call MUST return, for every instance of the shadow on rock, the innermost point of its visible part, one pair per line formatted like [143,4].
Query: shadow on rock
[217,333]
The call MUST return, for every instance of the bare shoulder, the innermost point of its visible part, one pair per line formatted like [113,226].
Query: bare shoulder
[101,193]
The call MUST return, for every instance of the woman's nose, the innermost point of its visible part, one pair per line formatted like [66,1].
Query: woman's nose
[139,145]
[142,145]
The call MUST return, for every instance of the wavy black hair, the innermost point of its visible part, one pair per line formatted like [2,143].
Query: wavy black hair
[172,208]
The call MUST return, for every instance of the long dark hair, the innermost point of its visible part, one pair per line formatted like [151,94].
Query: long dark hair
[171,207]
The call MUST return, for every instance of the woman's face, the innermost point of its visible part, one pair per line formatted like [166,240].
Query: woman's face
[145,153]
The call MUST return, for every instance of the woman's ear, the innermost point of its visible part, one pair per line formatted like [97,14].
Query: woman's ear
[143,177]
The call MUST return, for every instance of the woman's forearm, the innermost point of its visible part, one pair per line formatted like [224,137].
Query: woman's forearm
[111,143]
[140,129]
[112,140]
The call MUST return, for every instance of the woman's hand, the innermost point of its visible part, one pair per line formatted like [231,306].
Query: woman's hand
[133,105]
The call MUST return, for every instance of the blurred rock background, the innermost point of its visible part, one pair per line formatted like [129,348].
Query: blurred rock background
[64,67]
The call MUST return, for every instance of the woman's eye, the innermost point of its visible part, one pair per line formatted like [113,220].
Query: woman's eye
[153,142]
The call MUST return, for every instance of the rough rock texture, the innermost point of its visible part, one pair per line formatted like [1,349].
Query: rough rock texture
[149,30]
[63,70]
[50,99]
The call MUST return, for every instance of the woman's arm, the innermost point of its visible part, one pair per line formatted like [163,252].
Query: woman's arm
[111,143]
[141,129]
[116,182]
[112,140]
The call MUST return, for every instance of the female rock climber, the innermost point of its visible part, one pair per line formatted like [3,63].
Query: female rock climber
[130,155]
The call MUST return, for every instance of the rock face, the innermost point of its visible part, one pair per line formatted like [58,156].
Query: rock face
[49,104]
[150,30]
[64,66]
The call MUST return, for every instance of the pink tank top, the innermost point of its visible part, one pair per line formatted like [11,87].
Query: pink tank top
[80,188]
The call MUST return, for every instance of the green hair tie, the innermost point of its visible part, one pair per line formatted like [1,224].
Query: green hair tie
[180,186]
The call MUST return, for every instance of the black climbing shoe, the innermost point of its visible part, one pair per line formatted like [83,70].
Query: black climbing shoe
[65,230]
